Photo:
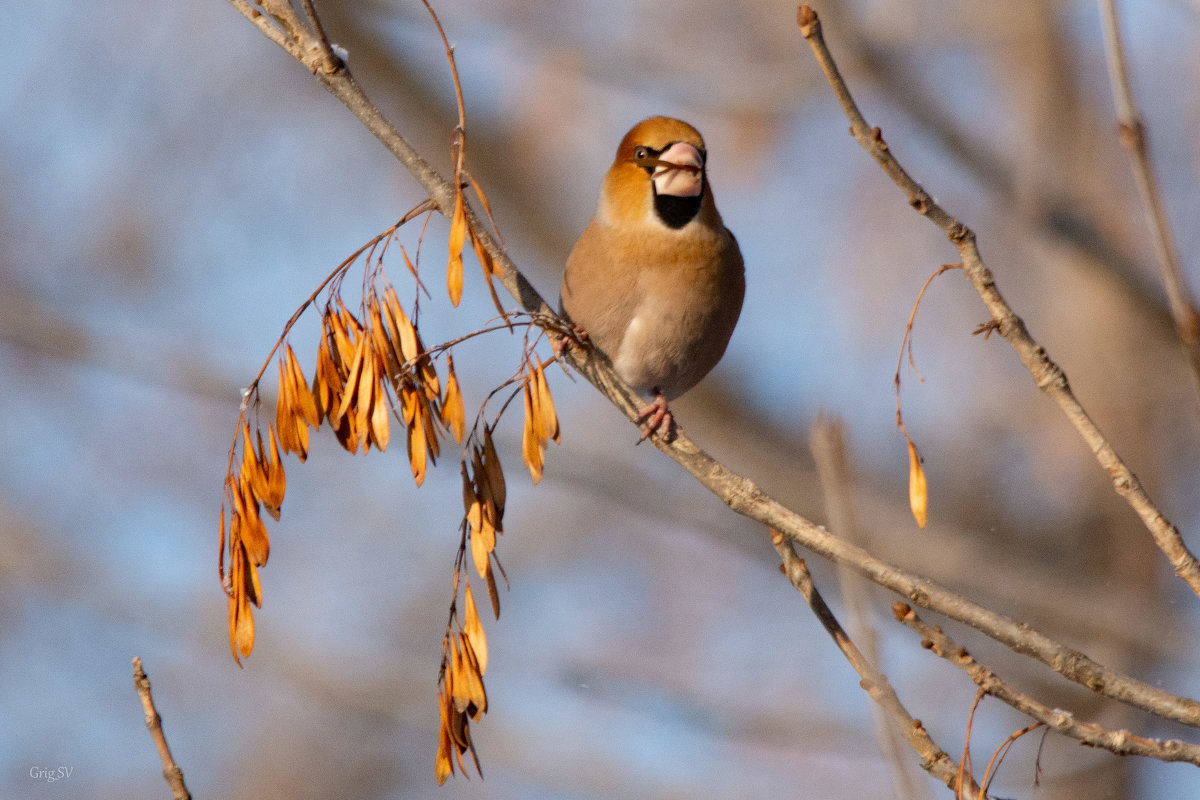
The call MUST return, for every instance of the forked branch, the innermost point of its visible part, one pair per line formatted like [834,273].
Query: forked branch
[933,758]
[1121,742]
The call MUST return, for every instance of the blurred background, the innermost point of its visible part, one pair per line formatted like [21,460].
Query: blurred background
[172,186]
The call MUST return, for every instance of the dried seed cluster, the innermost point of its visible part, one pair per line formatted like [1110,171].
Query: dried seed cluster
[462,698]
[541,423]
[370,369]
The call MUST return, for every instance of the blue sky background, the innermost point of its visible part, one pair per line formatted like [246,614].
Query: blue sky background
[172,186]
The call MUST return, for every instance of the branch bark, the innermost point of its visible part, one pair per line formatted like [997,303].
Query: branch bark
[172,774]
[1121,742]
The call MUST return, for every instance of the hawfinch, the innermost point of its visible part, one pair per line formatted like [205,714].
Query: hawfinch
[656,281]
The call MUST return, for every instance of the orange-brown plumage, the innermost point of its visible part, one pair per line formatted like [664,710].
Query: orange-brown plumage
[656,280]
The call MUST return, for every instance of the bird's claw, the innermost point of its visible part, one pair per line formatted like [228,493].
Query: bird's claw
[655,416]
[566,340]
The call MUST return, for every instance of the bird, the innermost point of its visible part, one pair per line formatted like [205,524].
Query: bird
[656,281]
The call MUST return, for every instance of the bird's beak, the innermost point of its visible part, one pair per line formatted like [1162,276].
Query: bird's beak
[679,171]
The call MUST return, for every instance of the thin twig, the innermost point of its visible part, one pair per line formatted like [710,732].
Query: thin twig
[337,273]
[918,496]
[906,345]
[341,84]
[1121,742]
[458,95]
[251,12]
[1047,375]
[964,763]
[828,444]
[1001,752]
[319,36]
[1132,134]
[998,754]
[933,758]
[171,771]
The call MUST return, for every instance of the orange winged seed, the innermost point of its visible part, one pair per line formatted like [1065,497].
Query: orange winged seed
[546,405]
[416,450]
[443,766]
[283,411]
[479,554]
[918,493]
[473,627]
[531,448]
[429,420]
[535,407]
[351,392]
[301,397]
[253,531]
[253,587]
[276,479]
[493,471]
[460,690]
[493,592]
[379,419]
[474,678]
[453,415]
[458,232]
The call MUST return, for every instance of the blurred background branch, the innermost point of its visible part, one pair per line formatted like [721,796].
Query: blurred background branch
[1133,137]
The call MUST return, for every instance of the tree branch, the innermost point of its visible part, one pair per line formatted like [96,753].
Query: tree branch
[172,774]
[1059,222]
[933,758]
[1119,742]
[1047,375]
[744,497]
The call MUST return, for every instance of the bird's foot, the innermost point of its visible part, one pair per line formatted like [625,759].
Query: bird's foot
[655,416]
[566,340]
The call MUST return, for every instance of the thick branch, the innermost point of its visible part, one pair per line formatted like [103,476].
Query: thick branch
[747,499]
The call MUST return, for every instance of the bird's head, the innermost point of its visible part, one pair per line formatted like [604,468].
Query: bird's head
[658,175]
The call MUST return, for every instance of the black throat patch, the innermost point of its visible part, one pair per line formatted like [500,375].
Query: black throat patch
[675,212]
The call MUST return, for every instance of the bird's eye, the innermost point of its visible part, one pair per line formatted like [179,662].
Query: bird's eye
[640,152]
